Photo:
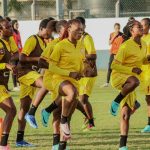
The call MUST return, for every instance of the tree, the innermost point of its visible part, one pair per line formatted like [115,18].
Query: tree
[14,5]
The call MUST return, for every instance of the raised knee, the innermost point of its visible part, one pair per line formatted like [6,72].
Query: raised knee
[72,94]
[84,99]
[148,99]
[126,116]
[135,83]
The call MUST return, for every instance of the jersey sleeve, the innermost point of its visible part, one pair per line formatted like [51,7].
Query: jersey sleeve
[47,52]
[29,46]
[55,57]
[89,45]
[2,66]
[13,45]
[117,64]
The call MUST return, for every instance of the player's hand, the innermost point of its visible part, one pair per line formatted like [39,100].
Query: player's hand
[137,70]
[10,67]
[75,75]
[148,57]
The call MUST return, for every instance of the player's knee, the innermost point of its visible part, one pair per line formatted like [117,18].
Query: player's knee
[135,82]
[148,99]
[72,94]
[126,116]
[84,100]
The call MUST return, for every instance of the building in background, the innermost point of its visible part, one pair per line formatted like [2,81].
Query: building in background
[21,9]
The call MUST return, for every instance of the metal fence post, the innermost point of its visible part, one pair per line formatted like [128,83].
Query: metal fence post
[59,9]
[117,8]
[33,10]
[4,8]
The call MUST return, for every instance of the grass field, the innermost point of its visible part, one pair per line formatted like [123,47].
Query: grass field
[106,134]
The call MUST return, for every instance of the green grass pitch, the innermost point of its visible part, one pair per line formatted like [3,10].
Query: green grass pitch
[106,134]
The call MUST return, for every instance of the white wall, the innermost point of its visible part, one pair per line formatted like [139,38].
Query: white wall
[100,29]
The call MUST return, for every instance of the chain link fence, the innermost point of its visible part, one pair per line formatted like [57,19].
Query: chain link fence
[38,9]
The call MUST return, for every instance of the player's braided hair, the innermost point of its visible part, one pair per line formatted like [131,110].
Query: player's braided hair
[127,28]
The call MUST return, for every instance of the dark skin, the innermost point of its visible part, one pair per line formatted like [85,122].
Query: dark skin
[66,88]
[43,33]
[132,82]
[7,104]
[91,58]
[146,28]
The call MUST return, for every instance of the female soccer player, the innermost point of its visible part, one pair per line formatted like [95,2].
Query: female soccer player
[126,74]
[87,83]
[6,102]
[17,38]
[47,79]
[30,78]
[146,37]
[67,55]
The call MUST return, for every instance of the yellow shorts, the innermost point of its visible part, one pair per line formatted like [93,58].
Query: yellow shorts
[117,81]
[146,78]
[4,94]
[57,80]
[86,85]
[47,80]
[25,84]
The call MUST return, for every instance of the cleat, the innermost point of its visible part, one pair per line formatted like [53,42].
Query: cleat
[16,89]
[31,120]
[45,117]
[146,129]
[123,148]
[89,128]
[24,144]
[55,147]
[105,85]
[114,108]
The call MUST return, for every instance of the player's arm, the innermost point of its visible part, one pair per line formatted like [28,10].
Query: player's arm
[15,56]
[43,63]
[90,48]
[28,48]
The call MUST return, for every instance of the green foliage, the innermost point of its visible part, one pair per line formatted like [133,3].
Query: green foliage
[15,5]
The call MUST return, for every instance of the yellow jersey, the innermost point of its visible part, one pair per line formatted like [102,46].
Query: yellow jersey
[130,55]
[11,47]
[31,43]
[68,56]
[49,49]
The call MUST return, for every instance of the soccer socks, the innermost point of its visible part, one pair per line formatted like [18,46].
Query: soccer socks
[64,119]
[62,145]
[51,107]
[123,140]
[32,110]
[148,120]
[56,139]
[119,98]
[4,139]
[20,136]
